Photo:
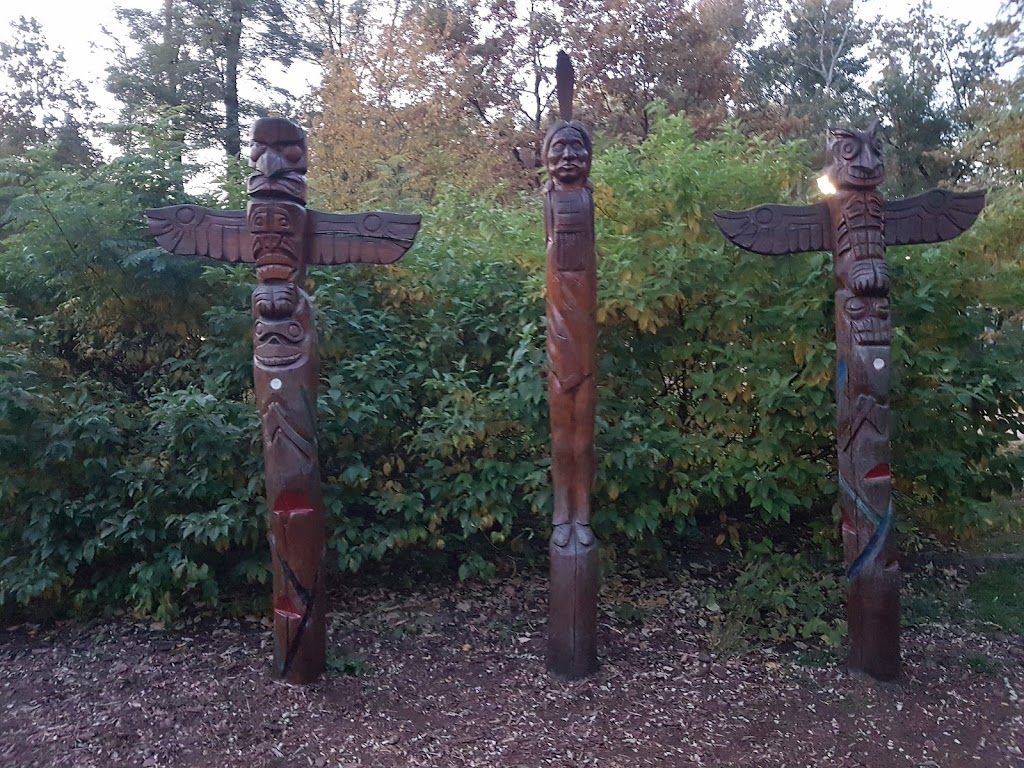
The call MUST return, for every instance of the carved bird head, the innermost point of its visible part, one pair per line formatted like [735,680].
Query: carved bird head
[278,153]
[278,147]
[854,157]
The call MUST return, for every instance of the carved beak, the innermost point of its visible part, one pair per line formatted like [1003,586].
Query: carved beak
[270,163]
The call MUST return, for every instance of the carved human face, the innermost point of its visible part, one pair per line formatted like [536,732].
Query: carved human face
[568,160]
[277,230]
[869,320]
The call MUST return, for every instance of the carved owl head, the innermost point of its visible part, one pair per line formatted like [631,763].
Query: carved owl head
[854,157]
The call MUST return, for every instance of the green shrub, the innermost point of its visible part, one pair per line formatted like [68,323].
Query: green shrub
[130,469]
[778,597]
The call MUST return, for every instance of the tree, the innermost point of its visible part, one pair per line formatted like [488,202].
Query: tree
[633,53]
[933,74]
[812,65]
[996,147]
[39,101]
[191,58]
[418,94]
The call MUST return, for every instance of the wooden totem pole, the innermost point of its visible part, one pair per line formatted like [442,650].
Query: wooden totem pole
[281,236]
[572,391]
[856,224]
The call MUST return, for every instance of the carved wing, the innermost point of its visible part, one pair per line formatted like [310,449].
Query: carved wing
[188,230]
[361,238]
[931,217]
[774,230]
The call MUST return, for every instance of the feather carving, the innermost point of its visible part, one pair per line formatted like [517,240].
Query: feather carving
[361,238]
[931,217]
[190,230]
[565,84]
[775,230]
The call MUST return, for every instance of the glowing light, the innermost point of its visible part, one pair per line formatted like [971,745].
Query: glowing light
[826,186]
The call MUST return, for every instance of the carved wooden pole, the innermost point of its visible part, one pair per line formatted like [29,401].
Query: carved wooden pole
[572,391]
[857,224]
[280,236]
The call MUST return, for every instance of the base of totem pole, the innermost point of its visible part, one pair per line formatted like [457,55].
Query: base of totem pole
[306,644]
[572,616]
[873,618]
[296,539]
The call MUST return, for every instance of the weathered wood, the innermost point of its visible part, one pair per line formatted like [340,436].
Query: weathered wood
[280,236]
[857,224]
[572,390]
[572,612]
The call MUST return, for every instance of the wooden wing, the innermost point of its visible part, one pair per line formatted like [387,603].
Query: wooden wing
[361,238]
[189,230]
[774,230]
[931,217]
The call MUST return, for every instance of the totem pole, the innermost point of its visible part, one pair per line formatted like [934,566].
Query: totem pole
[856,224]
[281,236]
[572,391]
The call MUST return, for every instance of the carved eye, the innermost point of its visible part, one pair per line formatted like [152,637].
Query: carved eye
[294,332]
[281,221]
[856,307]
[292,153]
[882,309]
[848,149]
[256,152]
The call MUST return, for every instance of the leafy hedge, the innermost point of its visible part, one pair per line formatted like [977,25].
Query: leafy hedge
[130,467]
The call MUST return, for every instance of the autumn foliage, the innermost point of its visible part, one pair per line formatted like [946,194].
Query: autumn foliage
[129,462]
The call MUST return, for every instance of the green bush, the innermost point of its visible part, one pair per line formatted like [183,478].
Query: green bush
[778,597]
[130,469]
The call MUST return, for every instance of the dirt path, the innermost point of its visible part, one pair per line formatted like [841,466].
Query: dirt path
[455,677]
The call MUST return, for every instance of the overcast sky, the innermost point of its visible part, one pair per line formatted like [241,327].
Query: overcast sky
[76,27]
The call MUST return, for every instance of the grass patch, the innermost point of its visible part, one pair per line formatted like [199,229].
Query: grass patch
[997,597]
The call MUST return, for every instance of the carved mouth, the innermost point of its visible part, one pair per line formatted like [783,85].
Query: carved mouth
[275,354]
[873,338]
[269,272]
[564,168]
[872,333]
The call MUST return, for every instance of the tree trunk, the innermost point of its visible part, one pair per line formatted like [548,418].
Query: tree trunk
[233,55]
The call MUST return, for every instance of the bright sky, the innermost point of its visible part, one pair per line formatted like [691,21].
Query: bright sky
[76,27]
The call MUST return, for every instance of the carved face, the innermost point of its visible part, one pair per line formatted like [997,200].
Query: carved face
[279,327]
[869,320]
[277,230]
[278,147]
[567,157]
[855,158]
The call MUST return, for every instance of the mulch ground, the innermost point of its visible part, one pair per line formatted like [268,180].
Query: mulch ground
[453,675]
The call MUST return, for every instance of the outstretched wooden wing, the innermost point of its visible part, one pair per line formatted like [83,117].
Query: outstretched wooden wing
[189,230]
[931,217]
[361,238]
[774,230]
